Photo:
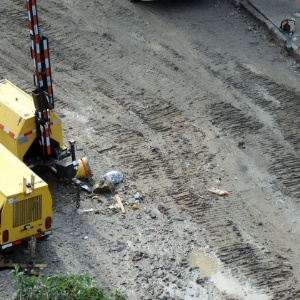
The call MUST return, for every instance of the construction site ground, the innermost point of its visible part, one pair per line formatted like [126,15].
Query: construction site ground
[181,97]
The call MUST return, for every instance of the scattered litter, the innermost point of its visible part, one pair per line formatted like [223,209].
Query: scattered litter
[86,237]
[163,209]
[114,176]
[134,206]
[83,170]
[101,187]
[218,192]
[113,207]
[241,145]
[31,272]
[117,197]
[133,186]
[184,262]
[138,256]
[139,196]
[82,185]
[81,211]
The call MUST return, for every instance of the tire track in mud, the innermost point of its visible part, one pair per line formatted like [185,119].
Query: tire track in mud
[240,125]
[273,274]
[277,101]
[269,272]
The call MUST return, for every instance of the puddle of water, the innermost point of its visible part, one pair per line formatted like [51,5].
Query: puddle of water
[207,265]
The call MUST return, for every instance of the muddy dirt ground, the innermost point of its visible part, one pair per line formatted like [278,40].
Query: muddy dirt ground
[181,97]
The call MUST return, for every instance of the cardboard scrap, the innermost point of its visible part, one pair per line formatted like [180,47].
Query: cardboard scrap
[218,192]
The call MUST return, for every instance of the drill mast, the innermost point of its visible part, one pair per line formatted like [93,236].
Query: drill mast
[43,93]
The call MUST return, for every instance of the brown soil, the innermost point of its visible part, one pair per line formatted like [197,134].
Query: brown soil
[181,97]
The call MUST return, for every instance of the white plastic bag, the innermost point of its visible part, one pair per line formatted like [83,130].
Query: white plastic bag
[114,176]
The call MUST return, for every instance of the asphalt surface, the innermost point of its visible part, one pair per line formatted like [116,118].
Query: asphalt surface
[271,13]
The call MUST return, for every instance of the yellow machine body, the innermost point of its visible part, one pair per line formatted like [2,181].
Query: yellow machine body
[18,122]
[25,202]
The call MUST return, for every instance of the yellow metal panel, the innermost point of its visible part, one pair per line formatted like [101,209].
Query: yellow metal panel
[17,120]
[7,140]
[19,105]
[12,173]
[27,210]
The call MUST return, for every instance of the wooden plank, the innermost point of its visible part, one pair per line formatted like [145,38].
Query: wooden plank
[117,197]
[21,265]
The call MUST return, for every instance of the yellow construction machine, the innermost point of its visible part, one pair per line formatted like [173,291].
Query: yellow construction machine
[31,139]
[20,135]
[30,129]
[25,204]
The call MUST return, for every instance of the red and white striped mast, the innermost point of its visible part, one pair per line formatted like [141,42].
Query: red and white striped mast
[43,94]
